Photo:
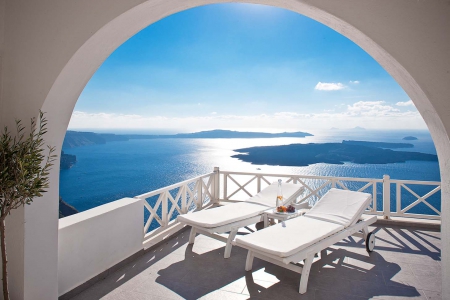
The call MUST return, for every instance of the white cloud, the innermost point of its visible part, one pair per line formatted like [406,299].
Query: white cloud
[214,113]
[354,81]
[329,86]
[368,114]
[371,108]
[406,103]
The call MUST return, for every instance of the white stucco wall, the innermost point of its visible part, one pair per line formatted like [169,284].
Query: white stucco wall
[53,47]
[92,241]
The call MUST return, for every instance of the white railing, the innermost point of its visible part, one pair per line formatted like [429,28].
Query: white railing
[387,202]
[315,186]
[163,205]
[405,188]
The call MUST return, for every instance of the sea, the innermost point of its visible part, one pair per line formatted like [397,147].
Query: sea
[111,171]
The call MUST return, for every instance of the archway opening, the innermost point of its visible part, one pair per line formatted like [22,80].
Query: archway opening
[83,73]
[236,67]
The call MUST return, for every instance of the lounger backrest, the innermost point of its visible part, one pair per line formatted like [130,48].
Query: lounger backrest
[340,207]
[268,196]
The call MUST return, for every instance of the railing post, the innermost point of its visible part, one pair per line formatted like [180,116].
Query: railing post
[225,187]
[199,194]
[386,196]
[398,198]
[165,210]
[184,207]
[216,185]
[374,198]
[333,182]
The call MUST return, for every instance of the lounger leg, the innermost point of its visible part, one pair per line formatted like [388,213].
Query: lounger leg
[249,261]
[192,235]
[365,231]
[230,239]
[305,273]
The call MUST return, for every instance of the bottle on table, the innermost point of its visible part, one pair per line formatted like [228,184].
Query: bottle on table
[279,195]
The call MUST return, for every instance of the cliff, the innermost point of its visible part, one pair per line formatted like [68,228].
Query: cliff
[67,161]
[78,139]
[65,209]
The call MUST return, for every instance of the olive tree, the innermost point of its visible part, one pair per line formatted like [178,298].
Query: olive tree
[24,174]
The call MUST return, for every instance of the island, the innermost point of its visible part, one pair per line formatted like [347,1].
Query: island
[66,209]
[378,144]
[329,153]
[410,138]
[67,161]
[78,139]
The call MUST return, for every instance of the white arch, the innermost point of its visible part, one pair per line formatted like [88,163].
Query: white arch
[65,91]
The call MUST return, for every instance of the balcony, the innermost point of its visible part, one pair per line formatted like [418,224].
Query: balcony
[160,264]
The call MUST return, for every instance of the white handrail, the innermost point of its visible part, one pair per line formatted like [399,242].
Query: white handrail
[192,194]
[210,188]
[303,176]
[173,186]
[339,182]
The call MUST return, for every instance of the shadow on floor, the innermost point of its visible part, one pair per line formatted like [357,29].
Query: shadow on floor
[398,239]
[338,274]
[345,270]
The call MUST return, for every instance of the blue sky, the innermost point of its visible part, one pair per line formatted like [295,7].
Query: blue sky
[245,67]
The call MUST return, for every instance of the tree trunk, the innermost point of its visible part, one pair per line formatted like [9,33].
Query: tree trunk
[4,261]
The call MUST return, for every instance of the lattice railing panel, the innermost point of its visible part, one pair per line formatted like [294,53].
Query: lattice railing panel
[164,205]
[240,186]
[417,198]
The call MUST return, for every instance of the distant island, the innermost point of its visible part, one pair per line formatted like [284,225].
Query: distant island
[330,153]
[66,209]
[410,138]
[78,139]
[379,144]
[358,128]
[67,160]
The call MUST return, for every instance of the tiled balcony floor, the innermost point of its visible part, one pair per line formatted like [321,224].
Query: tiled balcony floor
[404,265]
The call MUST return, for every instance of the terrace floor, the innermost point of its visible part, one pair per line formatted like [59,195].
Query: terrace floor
[405,265]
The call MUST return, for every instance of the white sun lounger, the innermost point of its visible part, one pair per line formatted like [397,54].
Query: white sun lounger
[231,217]
[337,215]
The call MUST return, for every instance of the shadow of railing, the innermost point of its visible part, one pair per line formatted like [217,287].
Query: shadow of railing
[343,270]
[401,240]
[338,272]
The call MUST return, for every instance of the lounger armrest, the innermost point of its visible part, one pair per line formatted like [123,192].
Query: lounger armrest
[370,219]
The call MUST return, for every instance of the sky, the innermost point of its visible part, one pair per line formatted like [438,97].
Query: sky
[241,67]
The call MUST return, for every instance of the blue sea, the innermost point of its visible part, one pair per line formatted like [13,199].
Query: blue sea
[104,173]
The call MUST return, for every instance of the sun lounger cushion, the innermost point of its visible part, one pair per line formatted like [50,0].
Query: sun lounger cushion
[268,196]
[222,215]
[298,234]
[215,217]
[340,206]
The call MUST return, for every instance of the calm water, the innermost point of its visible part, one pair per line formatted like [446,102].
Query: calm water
[104,173]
